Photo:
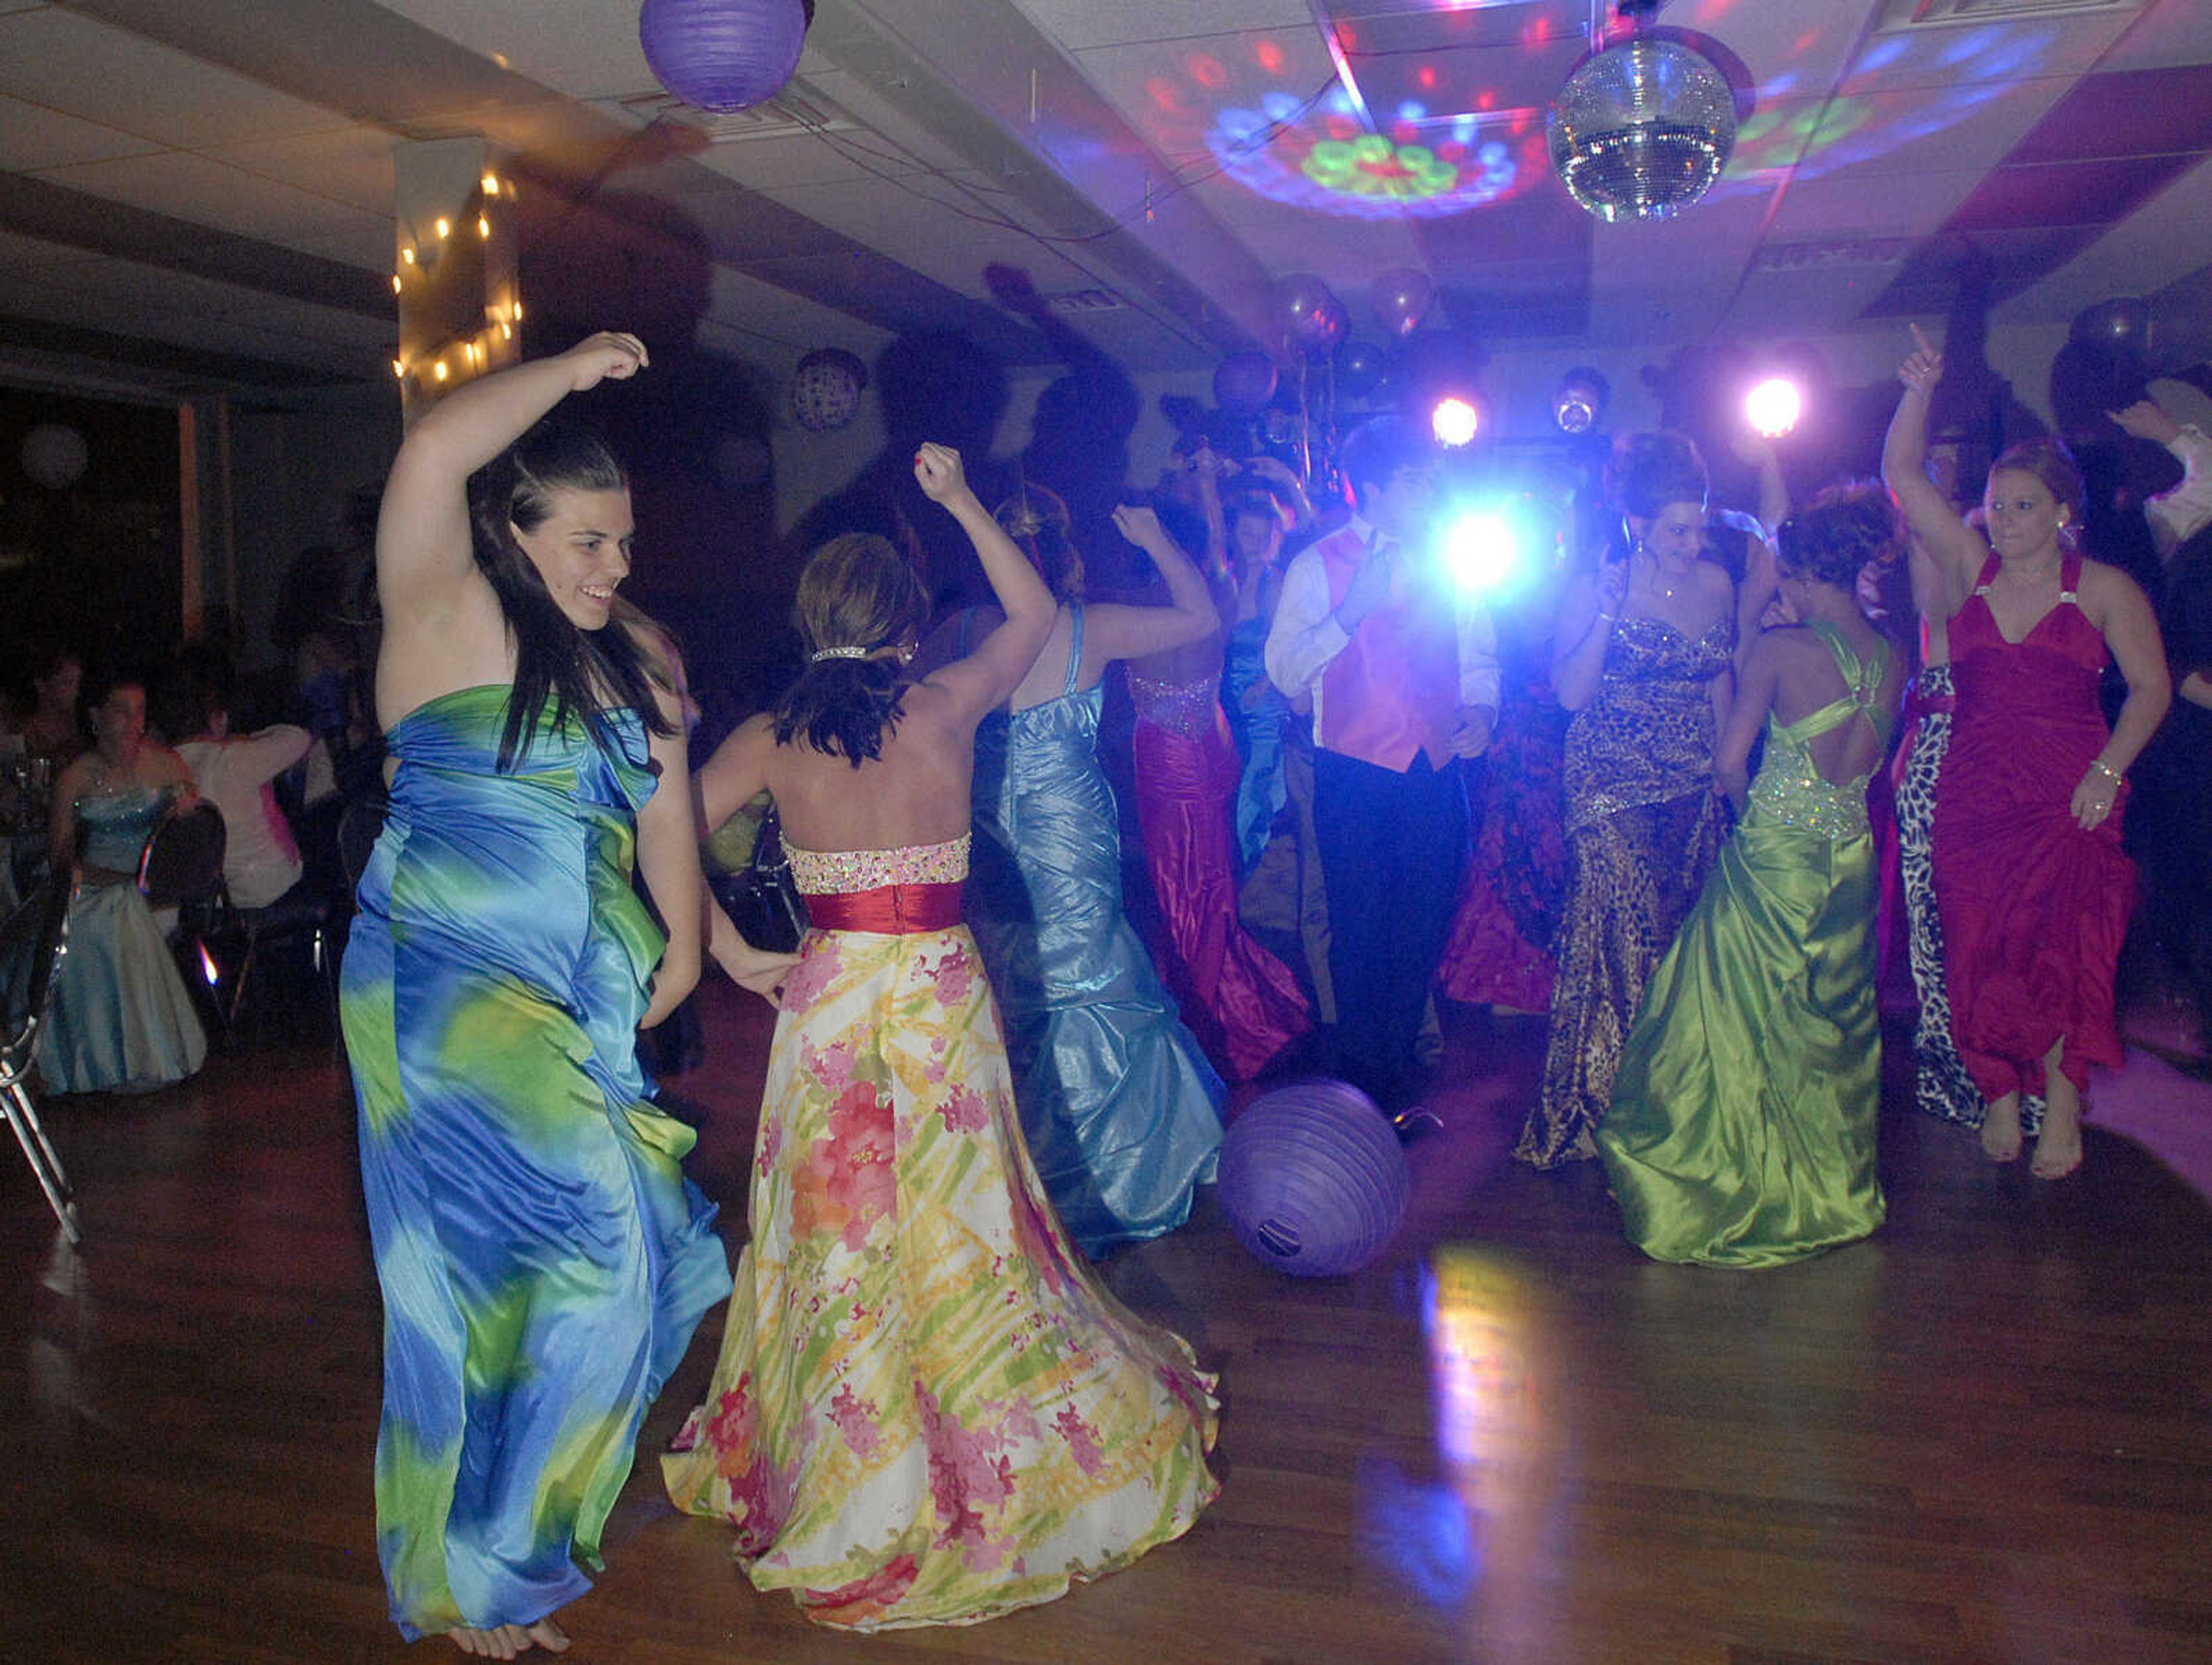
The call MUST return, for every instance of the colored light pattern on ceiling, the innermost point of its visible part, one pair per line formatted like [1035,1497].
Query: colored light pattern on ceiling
[1452,150]
[1255,116]
[1792,126]
[1324,159]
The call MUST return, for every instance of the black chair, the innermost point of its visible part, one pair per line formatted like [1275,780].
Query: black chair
[181,867]
[297,926]
[33,941]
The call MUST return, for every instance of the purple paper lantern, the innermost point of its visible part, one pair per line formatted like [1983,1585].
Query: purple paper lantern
[723,54]
[1313,1179]
[825,389]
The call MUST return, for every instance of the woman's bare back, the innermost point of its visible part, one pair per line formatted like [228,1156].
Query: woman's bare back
[916,792]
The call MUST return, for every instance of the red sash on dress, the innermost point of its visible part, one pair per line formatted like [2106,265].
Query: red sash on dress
[889,910]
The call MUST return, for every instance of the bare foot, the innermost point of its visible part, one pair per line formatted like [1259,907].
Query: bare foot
[501,1642]
[2058,1145]
[2000,1129]
[549,1636]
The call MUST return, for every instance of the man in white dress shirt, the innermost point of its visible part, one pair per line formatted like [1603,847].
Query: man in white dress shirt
[1401,665]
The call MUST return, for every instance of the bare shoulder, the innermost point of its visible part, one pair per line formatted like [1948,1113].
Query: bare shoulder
[2103,582]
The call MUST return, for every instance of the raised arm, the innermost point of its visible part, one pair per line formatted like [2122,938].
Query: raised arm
[1587,614]
[1113,631]
[2175,513]
[1949,553]
[423,552]
[982,681]
[1756,449]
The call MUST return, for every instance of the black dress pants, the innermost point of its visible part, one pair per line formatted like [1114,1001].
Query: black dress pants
[1392,848]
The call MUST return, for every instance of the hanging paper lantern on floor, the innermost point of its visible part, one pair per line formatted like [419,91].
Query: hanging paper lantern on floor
[723,54]
[825,392]
[1313,1179]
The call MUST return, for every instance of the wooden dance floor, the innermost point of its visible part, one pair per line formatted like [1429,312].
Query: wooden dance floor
[1985,1435]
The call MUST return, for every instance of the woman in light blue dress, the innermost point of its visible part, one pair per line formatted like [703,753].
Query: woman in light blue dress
[1121,1108]
[122,1020]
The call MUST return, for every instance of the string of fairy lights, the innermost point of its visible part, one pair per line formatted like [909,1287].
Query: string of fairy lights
[456,357]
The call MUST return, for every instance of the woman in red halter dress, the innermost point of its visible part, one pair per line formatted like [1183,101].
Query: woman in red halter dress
[2031,886]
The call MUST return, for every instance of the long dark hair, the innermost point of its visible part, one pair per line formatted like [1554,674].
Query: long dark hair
[859,601]
[583,671]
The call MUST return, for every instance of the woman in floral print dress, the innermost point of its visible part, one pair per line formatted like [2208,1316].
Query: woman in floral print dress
[925,1411]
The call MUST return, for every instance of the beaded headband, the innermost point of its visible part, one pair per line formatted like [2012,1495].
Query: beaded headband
[822,653]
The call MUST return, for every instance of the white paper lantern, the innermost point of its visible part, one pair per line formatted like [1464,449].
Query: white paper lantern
[54,455]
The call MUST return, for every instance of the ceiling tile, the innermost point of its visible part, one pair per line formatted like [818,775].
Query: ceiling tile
[1868,206]
[2091,193]
[593,53]
[2169,31]
[85,68]
[350,165]
[2064,44]
[2146,112]
[192,188]
[33,137]
[1080,25]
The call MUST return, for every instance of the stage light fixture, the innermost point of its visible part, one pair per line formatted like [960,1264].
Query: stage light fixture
[1454,420]
[1579,400]
[1482,551]
[1773,406]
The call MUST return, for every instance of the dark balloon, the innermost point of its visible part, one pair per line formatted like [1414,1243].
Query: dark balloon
[2123,322]
[1359,368]
[1313,318]
[1401,299]
[1243,382]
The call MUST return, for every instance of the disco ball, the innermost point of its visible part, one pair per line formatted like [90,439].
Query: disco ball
[1642,130]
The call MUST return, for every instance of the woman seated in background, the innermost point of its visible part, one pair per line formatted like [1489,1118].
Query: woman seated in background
[1741,1131]
[53,728]
[122,1020]
[926,1412]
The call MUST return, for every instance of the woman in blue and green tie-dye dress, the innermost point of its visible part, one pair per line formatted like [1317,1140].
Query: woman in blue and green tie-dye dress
[543,1260]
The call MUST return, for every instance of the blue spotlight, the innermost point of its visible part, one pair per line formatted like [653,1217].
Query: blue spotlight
[1484,552]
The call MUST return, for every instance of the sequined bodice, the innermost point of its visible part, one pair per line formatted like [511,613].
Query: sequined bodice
[1182,708]
[1789,790]
[1647,735]
[836,872]
[117,825]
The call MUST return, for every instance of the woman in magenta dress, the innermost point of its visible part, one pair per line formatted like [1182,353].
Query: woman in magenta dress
[2031,883]
[1241,1001]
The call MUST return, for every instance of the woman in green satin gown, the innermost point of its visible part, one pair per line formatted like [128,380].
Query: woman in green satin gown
[1741,1131]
